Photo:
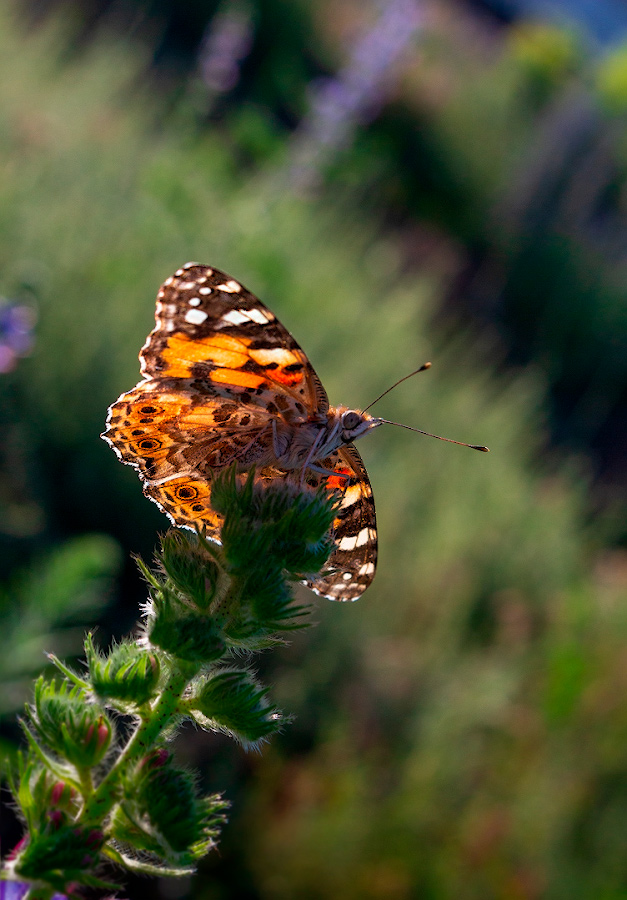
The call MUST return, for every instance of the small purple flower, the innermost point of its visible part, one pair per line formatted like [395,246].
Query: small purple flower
[226,43]
[17,322]
[16,890]
[339,105]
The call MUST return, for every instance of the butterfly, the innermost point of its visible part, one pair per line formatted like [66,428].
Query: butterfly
[225,382]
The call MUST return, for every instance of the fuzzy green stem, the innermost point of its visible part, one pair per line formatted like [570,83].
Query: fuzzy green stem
[87,784]
[106,794]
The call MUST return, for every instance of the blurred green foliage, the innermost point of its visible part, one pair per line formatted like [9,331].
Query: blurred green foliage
[461,731]
[44,609]
[509,148]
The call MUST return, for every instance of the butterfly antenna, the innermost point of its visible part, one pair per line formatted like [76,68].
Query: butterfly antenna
[422,368]
[438,436]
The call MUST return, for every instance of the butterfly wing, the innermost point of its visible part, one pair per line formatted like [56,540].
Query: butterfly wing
[352,565]
[175,434]
[211,329]
[218,368]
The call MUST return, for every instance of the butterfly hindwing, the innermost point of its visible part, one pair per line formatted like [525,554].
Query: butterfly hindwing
[352,565]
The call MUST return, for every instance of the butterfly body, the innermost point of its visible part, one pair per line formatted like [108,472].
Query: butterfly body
[224,382]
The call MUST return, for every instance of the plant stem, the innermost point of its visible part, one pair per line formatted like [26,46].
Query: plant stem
[106,794]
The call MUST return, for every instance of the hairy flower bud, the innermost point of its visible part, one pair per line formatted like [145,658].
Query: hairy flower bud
[233,702]
[191,637]
[128,674]
[70,724]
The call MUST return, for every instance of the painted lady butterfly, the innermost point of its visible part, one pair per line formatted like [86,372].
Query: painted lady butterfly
[225,382]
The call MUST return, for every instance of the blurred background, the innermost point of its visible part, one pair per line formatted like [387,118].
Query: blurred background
[400,180]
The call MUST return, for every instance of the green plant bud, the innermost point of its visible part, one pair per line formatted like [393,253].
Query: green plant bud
[188,563]
[302,534]
[190,637]
[271,599]
[247,544]
[232,495]
[126,830]
[282,522]
[62,796]
[64,850]
[128,673]
[69,724]
[156,758]
[168,797]
[232,701]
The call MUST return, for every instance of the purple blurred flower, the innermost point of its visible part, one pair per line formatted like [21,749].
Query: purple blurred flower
[339,105]
[226,43]
[17,322]
[15,890]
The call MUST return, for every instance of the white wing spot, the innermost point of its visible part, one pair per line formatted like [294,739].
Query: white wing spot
[231,287]
[337,588]
[204,290]
[365,535]
[179,272]
[351,495]
[280,355]
[367,569]
[346,576]
[195,316]
[234,317]
[259,316]
[168,281]
[161,294]
[190,265]
[194,301]
[187,285]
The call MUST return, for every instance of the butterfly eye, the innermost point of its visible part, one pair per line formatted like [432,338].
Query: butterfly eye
[350,420]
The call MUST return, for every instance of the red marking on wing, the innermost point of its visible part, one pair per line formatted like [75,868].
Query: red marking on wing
[335,482]
[287,378]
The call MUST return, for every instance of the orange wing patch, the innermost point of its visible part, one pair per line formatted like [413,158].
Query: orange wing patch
[236,378]
[187,501]
[181,353]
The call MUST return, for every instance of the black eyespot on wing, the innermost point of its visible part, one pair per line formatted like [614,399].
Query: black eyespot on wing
[186,493]
[149,444]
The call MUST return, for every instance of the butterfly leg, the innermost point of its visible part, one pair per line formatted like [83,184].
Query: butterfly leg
[328,472]
[312,455]
[246,449]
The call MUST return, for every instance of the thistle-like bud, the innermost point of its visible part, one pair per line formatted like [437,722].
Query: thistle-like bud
[232,701]
[188,563]
[67,849]
[69,723]
[271,533]
[192,637]
[62,796]
[128,674]
[292,524]
[168,797]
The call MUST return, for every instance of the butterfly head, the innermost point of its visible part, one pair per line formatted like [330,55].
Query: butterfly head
[354,423]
